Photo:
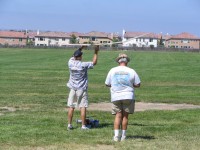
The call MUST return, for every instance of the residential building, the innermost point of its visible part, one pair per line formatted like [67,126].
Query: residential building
[140,39]
[96,37]
[52,39]
[13,38]
[31,38]
[183,40]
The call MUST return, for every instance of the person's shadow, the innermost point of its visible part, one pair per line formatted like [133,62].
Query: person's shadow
[141,137]
[103,125]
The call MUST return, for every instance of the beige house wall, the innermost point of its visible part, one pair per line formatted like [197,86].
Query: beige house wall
[12,41]
[191,44]
[47,41]
[96,40]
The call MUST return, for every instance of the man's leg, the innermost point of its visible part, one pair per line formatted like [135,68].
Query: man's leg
[117,121]
[124,120]
[70,115]
[117,124]
[71,108]
[83,115]
[124,125]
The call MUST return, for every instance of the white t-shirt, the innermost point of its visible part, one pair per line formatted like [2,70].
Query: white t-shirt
[121,79]
[78,74]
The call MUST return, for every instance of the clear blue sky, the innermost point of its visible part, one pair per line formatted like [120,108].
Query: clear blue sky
[166,16]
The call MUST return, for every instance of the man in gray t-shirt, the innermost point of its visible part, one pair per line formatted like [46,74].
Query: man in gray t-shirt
[78,84]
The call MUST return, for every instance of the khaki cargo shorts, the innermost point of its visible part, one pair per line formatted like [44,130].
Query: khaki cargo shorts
[123,105]
[77,98]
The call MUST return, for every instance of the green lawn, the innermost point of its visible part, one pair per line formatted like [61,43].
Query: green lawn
[33,82]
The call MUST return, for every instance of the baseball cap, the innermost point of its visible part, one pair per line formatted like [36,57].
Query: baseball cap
[78,53]
[122,58]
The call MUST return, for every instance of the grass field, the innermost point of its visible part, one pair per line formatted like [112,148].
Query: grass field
[32,82]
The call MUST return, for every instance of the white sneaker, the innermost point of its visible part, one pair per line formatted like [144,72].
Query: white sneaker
[85,128]
[116,138]
[123,138]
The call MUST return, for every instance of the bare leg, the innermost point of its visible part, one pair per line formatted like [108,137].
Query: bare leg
[83,115]
[124,120]
[70,115]
[118,120]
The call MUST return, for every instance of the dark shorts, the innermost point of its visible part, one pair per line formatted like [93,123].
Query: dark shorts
[123,105]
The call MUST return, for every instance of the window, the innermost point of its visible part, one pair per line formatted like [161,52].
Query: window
[93,38]
[150,40]
[185,41]
[63,39]
[20,39]
[41,39]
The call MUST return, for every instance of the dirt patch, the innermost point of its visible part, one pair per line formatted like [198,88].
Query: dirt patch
[140,106]
[4,110]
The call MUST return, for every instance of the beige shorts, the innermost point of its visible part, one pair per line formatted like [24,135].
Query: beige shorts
[77,98]
[123,105]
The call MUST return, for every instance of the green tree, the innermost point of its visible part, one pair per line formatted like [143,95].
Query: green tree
[73,39]
[161,42]
[115,40]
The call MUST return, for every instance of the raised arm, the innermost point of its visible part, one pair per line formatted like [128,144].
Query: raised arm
[82,47]
[95,57]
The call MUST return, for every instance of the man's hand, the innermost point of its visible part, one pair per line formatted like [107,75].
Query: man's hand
[82,47]
[96,49]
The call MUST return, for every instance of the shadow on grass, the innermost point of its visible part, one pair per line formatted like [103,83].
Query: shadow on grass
[141,137]
[102,125]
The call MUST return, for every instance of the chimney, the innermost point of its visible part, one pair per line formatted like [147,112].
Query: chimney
[38,32]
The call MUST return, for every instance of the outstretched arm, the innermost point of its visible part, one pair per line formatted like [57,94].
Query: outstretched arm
[95,57]
[82,47]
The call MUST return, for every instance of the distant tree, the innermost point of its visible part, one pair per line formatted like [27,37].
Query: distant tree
[73,39]
[161,42]
[115,40]
[29,43]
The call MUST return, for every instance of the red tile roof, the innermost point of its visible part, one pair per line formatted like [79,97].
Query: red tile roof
[77,34]
[184,35]
[142,34]
[13,34]
[31,34]
[98,34]
[53,34]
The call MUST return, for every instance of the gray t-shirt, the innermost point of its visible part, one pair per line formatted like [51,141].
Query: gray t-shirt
[78,74]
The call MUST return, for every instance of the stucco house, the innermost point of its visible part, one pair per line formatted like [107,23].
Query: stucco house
[96,37]
[183,40]
[140,39]
[52,39]
[13,38]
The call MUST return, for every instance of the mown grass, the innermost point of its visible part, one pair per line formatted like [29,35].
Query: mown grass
[33,82]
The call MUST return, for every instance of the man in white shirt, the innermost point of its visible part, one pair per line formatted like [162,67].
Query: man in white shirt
[122,80]
[78,84]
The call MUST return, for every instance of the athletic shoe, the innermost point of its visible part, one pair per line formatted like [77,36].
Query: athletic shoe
[123,138]
[70,128]
[116,138]
[85,128]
